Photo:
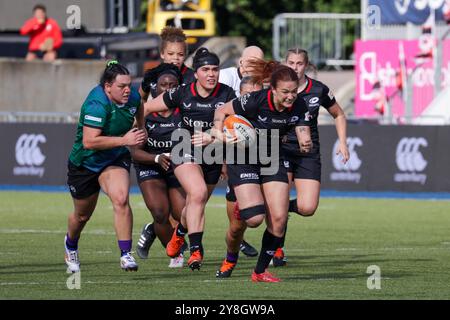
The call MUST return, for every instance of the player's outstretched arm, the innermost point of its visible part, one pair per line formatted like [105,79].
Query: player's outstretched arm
[304,138]
[219,116]
[155,105]
[341,128]
[93,140]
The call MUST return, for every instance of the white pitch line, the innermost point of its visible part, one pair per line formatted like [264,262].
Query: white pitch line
[160,281]
[112,233]
[43,231]
[141,205]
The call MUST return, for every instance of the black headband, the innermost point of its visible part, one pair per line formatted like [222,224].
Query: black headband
[204,58]
[171,72]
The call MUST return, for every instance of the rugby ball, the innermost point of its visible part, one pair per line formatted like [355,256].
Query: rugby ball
[236,126]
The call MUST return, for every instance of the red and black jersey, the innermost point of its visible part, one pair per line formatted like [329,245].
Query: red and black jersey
[315,94]
[197,112]
[258,107]
[159,130]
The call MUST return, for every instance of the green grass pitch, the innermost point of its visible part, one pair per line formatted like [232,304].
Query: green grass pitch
[328,254]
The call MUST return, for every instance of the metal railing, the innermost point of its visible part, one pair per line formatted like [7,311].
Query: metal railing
[328,37]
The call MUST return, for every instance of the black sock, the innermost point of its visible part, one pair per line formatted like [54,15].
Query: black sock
[270,244]
[195,240]
[283,237]
[181,231]
[293,206]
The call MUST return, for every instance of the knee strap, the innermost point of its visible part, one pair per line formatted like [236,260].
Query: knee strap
[251,212]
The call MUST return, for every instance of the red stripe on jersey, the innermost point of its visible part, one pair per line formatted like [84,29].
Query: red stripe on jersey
[269,100]
[308,88]
[216,90]
[177,110]
[193,89]
[183,69]
[155,114]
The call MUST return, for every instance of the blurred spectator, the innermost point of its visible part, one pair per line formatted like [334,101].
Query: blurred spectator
[232,76]
[45,35]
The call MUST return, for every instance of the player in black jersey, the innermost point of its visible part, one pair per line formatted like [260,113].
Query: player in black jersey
[197,102]
[305,168]
[235,233]
[259,186]
[160,188]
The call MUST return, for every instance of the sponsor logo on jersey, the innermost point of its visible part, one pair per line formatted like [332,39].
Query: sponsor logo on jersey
[244,99]
[151,126]
[29,155]
[313,100]
[133,111]
[154,143]
[147,173]
[262,119]
[171,92]
[308,116]
[294,119]
[219,104]
[187,106]
[167,125]
[92,118]
[279,120]
[348,171]
[73,189]
[249,176]
[330,95]
[202,105]
[197,123]
[410,160]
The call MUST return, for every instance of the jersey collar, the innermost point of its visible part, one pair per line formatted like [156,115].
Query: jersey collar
[239,74]
[184,68]
[272,103]
[175,112]
[195,93]
[308,86]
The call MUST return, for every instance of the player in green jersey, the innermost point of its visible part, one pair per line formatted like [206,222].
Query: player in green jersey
[100,160]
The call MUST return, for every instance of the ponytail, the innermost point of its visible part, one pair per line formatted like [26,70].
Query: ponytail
[112,70]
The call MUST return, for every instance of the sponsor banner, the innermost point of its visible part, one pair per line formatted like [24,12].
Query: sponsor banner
[378,73]
[36,154]
[403,11]
[382,158]
[387,158]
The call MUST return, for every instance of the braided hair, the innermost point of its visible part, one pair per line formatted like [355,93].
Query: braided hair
[151,76]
